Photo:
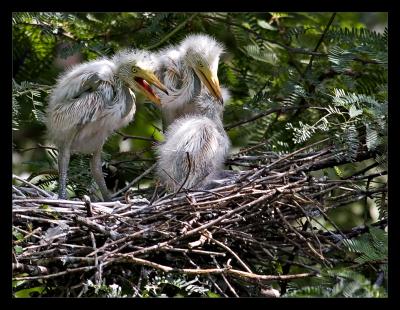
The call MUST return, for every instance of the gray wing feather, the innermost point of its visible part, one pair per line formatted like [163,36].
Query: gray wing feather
[88,83]
[80,97]
[205,143]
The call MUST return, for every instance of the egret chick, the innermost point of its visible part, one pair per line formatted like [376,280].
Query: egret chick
[91,101]
[195,147]
[187,70]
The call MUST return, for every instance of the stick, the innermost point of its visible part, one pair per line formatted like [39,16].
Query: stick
[134,181]
[226,271]
[31,185]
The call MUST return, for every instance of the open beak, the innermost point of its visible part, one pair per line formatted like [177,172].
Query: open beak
[147,78]
[210,80]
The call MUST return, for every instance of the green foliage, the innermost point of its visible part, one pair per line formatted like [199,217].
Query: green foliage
[381,203]
[339,283]
[30,292]
[371,247]
[255,52]
[160,285]
[20,292]
[175,286]
[32,94]
[102,290]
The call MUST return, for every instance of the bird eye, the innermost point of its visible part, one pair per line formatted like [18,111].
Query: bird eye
[134,69]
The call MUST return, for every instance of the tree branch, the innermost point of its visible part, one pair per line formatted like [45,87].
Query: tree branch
[129,258]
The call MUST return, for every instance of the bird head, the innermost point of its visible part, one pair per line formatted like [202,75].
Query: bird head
[136,68]
[202,53]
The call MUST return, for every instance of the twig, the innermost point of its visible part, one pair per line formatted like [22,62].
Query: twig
[88,205]
[97,275]
[217,287]
[253,223]
[175,30]
[228,271]
[31,185]
[321,39]
[134,181]
[136,137]
[362,171]
[28,234]
[50,201]
[209,224]
[97,227]
[262,114]
[31,269]
[232,252]
[124,239]
[39,146]
[282,159]
[225,279]
[55,275]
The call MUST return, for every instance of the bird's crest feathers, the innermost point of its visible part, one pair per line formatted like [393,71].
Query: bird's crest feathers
[202,44]
[142,59]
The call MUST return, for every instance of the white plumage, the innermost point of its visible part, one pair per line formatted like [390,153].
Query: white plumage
[92,100]
[195,148]
[196,144]
[90,103]
[187,70]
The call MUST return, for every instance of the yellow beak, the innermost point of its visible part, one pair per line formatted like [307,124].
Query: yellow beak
[210,80]
[152,79]
[144,78]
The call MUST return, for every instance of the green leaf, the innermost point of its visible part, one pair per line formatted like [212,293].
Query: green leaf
[261,55]
[371,138]
[338,171]
[26,293]
[17,283]
[18,249]
[265,25]
[92,18]
[354,112]
[18,235]
[213,295]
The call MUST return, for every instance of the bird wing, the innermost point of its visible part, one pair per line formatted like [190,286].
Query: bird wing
[88,83]
[82,78]
[194,142]
[83,96]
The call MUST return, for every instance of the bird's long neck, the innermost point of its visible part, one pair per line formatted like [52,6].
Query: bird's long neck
[184,89]
[196,84]
[206,105]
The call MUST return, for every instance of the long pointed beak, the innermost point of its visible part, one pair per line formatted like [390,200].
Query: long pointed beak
[146,78]
[151,78]
[211,81]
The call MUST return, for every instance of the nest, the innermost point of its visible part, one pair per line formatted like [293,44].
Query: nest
[232,235]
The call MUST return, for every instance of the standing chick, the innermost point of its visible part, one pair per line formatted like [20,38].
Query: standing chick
[91,101]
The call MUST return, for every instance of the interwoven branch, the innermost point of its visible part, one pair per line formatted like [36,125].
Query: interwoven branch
[256,218]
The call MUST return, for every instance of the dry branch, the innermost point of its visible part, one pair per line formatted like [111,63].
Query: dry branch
[264,214]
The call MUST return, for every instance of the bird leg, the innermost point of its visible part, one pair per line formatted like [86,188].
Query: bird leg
[64,155]
[97,173]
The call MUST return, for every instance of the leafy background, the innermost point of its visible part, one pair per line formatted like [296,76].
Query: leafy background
[328,70]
